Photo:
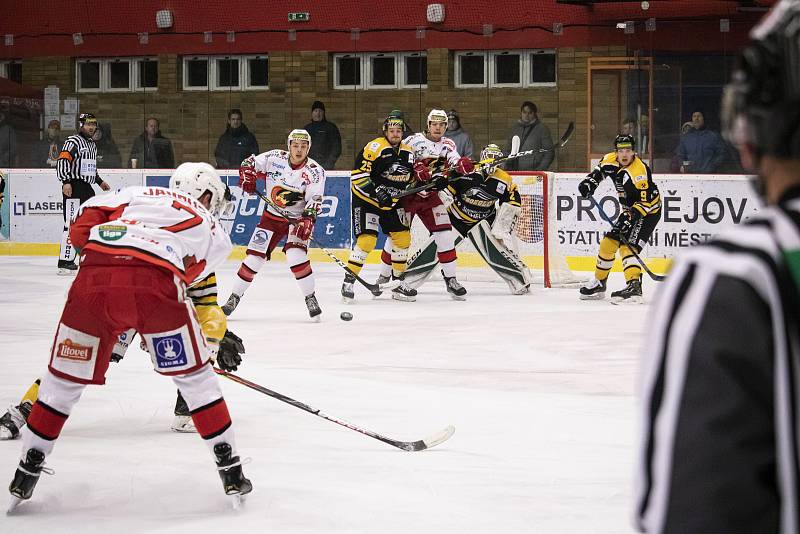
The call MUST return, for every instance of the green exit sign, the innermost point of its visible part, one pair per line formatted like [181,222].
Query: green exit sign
[303,16]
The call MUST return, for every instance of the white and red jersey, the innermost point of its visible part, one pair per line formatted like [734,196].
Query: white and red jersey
[293,188]
[161,226]
[425,148]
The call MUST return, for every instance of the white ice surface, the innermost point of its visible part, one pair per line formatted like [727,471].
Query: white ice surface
[539,388]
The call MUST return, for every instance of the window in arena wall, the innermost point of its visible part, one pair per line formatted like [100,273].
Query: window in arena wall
[541,68]
[470,69]
[88,75]
[414,70]
[506,69]
[226,74]
[256,72]
[11,70]
[119,75]
[195,73]
[382,70]
[347,71]
[146,74]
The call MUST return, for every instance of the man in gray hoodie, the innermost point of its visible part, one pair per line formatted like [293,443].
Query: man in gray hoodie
[533,135]
[458,135]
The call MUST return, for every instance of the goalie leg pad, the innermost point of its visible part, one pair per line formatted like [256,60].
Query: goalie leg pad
[505,221]
[422,264]
[503,261]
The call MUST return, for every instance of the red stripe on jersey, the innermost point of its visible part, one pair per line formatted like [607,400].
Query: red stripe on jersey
[211,419]
[447,256]
[386,258]
[302,270]
[45,421]
[246,273]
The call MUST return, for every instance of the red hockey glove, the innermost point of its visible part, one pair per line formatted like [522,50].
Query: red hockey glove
[421,171]
[465,166]
[247,179]
[305,225]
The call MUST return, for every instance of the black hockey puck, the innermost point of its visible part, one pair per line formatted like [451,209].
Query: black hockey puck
[346,316]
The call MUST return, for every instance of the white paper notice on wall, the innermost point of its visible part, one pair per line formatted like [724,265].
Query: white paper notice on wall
[68,122]
[71,105]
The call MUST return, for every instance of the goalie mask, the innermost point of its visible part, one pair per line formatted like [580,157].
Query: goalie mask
[491,153]
[195,179]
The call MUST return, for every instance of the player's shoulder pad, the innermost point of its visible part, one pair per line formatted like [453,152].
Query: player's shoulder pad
[609,159]
[374,148]
[639,173]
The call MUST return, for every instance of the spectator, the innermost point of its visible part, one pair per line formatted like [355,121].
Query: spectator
[533,135]
[326,143]
[108,156]
[8,143]
[151,150]
[236,144]
[458,135]
[701,150]
[44,152]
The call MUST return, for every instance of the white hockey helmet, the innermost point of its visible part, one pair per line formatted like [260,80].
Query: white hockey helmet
[437,115]
[298,134]
[195,179]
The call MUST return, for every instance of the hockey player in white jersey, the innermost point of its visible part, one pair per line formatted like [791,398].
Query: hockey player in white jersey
[140,249]
[295,184]
[429,147]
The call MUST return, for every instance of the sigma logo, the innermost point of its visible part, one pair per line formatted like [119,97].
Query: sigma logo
[169,351]
[70,350]
[259,237]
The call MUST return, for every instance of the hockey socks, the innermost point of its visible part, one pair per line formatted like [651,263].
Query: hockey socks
[605,257]
[301,269]
[247,272]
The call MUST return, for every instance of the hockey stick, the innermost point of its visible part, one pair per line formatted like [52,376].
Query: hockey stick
[565,137]
[292,219]
[651,274]
[411,446]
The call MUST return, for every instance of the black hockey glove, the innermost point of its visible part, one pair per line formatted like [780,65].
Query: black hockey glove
[625,221]
[383,197]
[230,352]
[440,182]
[587,186]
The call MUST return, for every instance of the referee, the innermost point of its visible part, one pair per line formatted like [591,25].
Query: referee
[76,168]
[720,444]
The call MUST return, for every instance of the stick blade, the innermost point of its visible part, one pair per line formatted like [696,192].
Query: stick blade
[431,441]
[567,134]
[515,142]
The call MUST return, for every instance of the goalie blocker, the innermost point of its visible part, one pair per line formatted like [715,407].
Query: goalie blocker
[489,241]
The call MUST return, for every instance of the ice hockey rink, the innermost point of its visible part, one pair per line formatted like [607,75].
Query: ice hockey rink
[539,387]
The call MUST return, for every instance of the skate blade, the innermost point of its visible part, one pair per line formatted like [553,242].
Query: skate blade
[593,297]
[458,297]
[12,504]
[403,298]
[238,500]
[316,318]
[6,434]
[66,272]
[622,302]
[348,300]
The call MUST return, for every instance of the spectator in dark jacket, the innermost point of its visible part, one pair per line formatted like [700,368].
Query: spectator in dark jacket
[326,143]
[108,156]
[151,150]
[236,144]
[533,135]
[701,150]
[457,134]
[44,153]
[9,156]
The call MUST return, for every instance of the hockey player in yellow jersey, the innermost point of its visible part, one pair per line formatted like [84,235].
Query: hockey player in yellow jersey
[640,212]
[383,170]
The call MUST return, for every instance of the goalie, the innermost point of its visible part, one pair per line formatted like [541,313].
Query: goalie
[474,214]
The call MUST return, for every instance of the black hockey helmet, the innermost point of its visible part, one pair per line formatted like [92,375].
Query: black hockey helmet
[85,118]
[761,104]
[394,120]
[624,141]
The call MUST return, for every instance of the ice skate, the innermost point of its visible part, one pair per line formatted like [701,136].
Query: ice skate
[456,290]
[382,279]
[229,306]
[630,294]
[13,420]
[348,293]
[594,290]
[182,422]
[404,292]
[314,311]
[26,476]
[67,268]
[230,471]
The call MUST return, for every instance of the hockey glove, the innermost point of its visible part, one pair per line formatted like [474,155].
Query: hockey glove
[230,352]
[465,166]
[440,182]
[587,186]
[383,196]
[305,225]
[625,222]
[247,179]
[422,172]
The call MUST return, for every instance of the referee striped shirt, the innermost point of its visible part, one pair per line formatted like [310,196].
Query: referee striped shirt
[720,386]
[78,160]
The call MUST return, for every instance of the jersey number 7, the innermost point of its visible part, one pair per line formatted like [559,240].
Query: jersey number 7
[194,220]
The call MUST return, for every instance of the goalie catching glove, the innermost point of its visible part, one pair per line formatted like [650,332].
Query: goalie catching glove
[230,352]
[305,224]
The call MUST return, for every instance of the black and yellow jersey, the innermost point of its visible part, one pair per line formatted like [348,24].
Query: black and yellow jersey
[204,297]
[475,195]
[634,183]
[382,164]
